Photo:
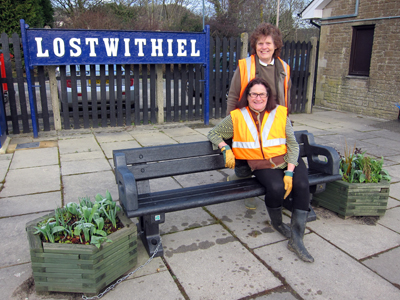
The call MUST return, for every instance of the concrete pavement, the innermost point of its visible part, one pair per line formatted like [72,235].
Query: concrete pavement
[217,252]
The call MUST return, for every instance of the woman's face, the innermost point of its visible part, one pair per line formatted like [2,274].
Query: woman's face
[265,48]
[258,97]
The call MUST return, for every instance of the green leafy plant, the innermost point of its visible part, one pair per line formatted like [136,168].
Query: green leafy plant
[356,167]
[84,223]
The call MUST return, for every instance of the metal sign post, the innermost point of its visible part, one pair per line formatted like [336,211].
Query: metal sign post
[54,47]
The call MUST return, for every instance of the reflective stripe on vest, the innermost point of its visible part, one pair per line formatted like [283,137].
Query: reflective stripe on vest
[251,149]
[247,67]
[286,68]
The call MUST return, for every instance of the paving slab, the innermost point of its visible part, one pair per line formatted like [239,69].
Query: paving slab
[392,203]
[31,181]
[358,240]
[15,248]
[394,172]
[200,178]
[27,204]
[395,190]
[333,275]
[181,131]
[152,138]
[391,219]
[203,131]
[251,227]
[386,264]
[5,161]
[85,166]
[277,296]
[111,137]
[109,147]
[163,184]
[85,143]
[390,143]
[91,184]
[160,285]
[12,281]
[211,264]
[81,156]
[35,158]
[186,219]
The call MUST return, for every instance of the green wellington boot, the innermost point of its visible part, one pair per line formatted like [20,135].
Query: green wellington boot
[275,214]
[295,244]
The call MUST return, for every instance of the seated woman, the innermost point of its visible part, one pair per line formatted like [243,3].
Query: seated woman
[263,135]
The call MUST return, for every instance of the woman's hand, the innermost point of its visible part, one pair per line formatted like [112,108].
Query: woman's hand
[229,157]
[288,179]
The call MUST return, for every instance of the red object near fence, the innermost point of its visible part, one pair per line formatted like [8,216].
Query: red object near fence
[3,71]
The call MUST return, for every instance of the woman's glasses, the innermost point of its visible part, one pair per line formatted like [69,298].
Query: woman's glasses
[261,95]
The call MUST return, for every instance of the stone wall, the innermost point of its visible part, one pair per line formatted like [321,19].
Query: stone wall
[377,94]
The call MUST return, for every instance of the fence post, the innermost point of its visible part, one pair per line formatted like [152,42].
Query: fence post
[245,41]
[54,98]
[160,94]
[310,84]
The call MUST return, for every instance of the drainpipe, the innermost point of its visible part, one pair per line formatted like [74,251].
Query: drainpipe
[344,16]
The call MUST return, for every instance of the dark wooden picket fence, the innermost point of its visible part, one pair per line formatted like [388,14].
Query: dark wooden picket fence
[184,87]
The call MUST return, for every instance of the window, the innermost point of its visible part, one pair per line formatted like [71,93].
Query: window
[361,50]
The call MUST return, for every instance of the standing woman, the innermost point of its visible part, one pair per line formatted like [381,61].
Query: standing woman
[266,44]
[263,137]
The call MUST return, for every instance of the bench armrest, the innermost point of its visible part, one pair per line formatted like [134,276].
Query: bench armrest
[127,188]
[320,158]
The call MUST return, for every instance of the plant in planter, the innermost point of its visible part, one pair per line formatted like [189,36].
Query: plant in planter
[82,247]
[363,190]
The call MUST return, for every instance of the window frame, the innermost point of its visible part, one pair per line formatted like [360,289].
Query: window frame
[357,46]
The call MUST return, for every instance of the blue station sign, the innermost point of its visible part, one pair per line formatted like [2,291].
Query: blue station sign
[54,47]
[66,47]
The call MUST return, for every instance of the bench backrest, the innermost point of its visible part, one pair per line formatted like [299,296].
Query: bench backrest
[178,159]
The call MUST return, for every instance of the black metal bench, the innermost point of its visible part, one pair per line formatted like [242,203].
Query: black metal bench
[135,167]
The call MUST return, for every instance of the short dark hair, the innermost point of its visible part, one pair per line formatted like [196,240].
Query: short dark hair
[266,29]
[271,103]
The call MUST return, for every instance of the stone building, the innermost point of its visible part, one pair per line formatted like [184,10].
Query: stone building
[359,55]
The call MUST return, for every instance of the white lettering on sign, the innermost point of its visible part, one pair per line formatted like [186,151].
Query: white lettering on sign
[170,41]
[155,47]
[181,47]
[74,43]
[127,52]
[178,47]
[91,42]
[194,52]
[111,46]
[40,52]
[140,42]
[59,47]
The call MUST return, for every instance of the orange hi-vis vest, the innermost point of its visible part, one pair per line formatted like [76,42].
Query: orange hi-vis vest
[247,67]
[246,139]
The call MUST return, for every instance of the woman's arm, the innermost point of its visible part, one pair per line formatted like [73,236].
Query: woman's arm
[222,131]
[292,146]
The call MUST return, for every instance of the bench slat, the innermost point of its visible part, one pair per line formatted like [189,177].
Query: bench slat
[191,197]
[177,167]
[167,152]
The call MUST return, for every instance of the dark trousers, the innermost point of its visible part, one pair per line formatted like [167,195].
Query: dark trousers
[272,179]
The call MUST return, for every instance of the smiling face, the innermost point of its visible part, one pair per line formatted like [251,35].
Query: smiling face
[265,48]
[259,102]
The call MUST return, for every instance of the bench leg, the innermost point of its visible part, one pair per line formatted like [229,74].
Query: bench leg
[150,233]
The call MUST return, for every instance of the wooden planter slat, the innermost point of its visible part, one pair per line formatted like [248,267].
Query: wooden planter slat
[82,268]
[354,199]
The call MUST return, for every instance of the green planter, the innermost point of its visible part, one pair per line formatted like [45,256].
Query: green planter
[82,268]
[354,199]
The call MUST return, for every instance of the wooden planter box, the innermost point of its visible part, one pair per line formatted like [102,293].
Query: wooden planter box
[354,199]
[82,268]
